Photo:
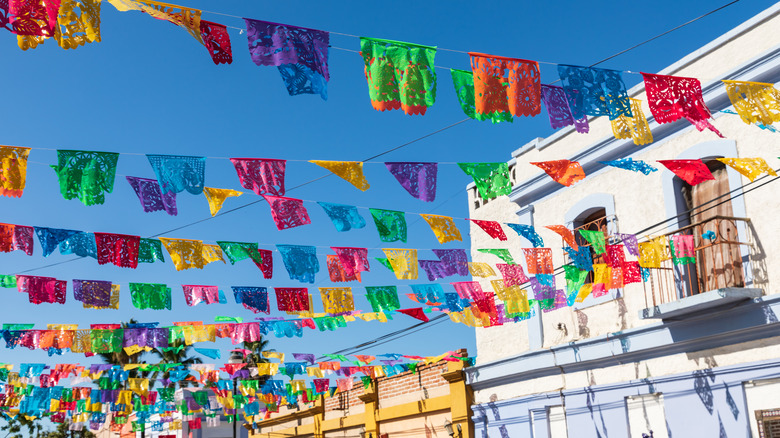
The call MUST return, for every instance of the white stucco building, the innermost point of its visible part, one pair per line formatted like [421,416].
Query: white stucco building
[693,351]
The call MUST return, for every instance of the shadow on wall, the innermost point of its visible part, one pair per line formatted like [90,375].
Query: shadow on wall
[582,324]
[757,259]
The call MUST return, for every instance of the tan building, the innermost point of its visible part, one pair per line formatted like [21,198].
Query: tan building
[695,349]
[419,404]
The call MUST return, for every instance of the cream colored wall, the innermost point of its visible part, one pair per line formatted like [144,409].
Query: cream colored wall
[351,410]
[415,396]
[344,433]
[428,426]
[760,395]
[493,342]
[763,349]
[639,202]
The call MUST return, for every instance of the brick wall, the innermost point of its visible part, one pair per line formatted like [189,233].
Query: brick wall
[426,378]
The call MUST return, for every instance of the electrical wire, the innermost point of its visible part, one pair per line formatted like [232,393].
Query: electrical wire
[421,326]
[540,62]
[241,207]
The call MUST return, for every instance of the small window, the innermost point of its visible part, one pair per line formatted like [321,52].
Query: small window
[646,416]
[556,422]
[763,407]
[596,220]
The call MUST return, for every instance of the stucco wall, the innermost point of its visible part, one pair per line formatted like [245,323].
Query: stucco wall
[639,202]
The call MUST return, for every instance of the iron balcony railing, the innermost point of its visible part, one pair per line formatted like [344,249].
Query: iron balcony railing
[721,261]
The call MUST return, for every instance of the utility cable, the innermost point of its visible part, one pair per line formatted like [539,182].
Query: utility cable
[421,326]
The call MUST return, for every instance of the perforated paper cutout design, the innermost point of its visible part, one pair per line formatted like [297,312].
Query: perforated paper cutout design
[337,273]
[337,300]
[118,249]
[501,253]
[151,197]
[491,179]
[506,85]
[86,175]
[300,261]
[463,80]
[403,261]
[482,270]
[562,171]
[177,173]
[566,234]
[399,75]
[631,164]
[344,217]
[691,171]
[529,233]
[492,228]
[419,179]
[262,176]
[674,97]
[287,212]
[390,224]
[513,275]
[538,260]
[443,227]
[750,167]
[755,102]
[349,171]
[13,170]
[599,92]
[216,197]
[635,128]
[185,253]
[292,299]
[217,40]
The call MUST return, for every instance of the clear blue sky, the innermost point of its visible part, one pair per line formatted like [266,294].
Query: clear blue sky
[150,88]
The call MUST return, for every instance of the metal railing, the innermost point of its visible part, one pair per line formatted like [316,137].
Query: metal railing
[719,261]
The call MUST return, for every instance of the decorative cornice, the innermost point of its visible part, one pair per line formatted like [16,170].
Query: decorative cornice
[742,322]
[764,68]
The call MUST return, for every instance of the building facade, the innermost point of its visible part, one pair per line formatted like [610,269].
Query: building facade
[695,349]
[409,404]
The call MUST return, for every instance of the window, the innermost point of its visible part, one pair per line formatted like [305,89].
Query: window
[556,422]
[763,407]
[646,416]
[595,220]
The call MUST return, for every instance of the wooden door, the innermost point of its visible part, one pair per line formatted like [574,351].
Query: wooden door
[719,262]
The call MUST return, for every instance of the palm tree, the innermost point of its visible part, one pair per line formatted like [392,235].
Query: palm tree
[177,352]
[256,349]
[121,358]
[14,426]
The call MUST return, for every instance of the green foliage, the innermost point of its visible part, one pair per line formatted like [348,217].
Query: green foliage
[62,431]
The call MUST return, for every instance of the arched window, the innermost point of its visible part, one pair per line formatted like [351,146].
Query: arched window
[594,219]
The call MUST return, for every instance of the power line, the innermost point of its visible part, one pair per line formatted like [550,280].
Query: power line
[540,62]
[424,325]
[240,207]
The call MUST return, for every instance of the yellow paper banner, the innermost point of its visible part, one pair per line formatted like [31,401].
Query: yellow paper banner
[13,170]
[403,261]
[635,127]
[180,16]
[480,269]
[755,102]
[750,167]
[443,227]
[216,197]
[211,254]
[337,300]
[350,171]
[184,253]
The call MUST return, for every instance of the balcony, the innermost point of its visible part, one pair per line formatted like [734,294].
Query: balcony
[715,275]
